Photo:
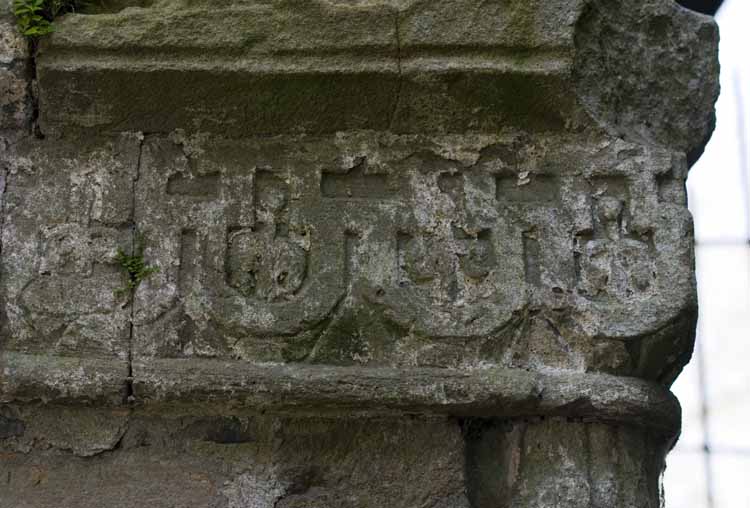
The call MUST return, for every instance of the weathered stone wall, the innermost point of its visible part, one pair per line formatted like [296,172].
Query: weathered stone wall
[15,80]
[406,253]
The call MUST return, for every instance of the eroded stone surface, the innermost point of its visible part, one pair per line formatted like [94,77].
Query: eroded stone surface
[67,211]
[665,42]
[399,252]
[240,461]
[645,72]
[15,87]
[249,461]
[456,251]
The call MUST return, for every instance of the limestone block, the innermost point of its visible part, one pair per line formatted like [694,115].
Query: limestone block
[514,208]
[562,464]
[406,66]
[383,250]
[241,461]
[528,224]
[67,211]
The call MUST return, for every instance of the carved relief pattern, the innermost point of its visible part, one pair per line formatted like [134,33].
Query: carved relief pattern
[286,255]
[59,271]
[347,251]
[264,261]
[611,262]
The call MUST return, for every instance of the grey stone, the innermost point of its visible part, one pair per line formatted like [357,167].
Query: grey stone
[13,46]
[15,87]
[375,249]
[67,210]
[175,460]
[393,252]
[411,66]
[672,54]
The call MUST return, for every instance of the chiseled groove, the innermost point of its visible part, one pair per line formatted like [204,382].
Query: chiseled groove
[129,383]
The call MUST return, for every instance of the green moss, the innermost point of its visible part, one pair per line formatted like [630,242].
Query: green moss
[35,17]
[135,269]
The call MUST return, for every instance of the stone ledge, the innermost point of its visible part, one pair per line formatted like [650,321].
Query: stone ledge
[314,94]
[315,389]
[27,378]
[406,66]
[314,67]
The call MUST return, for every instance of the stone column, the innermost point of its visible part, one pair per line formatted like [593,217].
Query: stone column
[348,253]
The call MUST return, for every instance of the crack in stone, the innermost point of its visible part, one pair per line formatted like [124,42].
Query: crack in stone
[558,336]
[33,90]
[3,186]
[4,174]
[129,381]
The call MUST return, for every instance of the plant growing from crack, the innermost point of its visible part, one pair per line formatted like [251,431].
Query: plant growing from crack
[135,269]
[35,17]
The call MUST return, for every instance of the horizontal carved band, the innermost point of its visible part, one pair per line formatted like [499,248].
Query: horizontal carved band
[407,66]
[498,393]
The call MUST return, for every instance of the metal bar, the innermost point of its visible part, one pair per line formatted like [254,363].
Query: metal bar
[706,430]
[742,147]
[714,450]
[723,242]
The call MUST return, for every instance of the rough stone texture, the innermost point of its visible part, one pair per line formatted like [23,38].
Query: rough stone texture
[455,251]
[409,253]
[15,85]
[234,461]
[241,460]
[663,53]
[66,211]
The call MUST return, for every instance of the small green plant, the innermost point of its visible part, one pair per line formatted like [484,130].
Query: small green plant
[135,268]
[31,17]
[35,16]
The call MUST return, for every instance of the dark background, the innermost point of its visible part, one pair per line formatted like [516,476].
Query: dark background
[704,6]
